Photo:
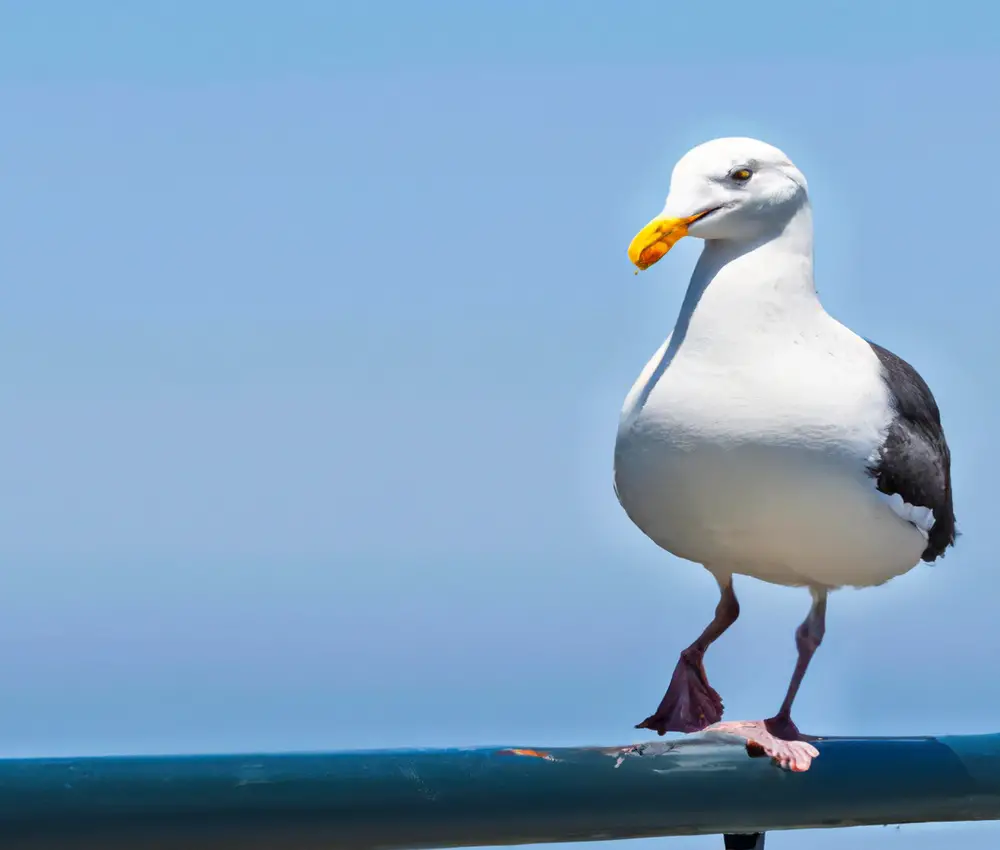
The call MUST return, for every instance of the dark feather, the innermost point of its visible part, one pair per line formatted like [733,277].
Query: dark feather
[914,460]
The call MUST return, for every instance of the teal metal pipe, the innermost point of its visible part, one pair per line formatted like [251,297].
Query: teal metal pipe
[451,798]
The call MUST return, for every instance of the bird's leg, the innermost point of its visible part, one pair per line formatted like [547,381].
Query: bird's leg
[808,637]
[778,736]
[690,703]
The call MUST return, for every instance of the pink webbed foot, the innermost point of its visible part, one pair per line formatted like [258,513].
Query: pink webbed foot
[790,755]
[690,703]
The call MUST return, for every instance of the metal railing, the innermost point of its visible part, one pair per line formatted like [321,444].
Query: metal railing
[391,800]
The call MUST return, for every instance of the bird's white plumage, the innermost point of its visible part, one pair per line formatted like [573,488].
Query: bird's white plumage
[920,517]
[746,441]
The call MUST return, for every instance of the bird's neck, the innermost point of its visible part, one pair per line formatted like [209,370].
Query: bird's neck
[776,264]
[742,288]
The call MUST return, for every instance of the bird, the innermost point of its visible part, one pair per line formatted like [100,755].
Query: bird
[766,439]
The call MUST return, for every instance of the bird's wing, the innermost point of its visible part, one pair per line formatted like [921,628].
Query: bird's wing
[914,461]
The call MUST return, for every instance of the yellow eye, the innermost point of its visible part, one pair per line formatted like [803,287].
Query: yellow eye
[741,175]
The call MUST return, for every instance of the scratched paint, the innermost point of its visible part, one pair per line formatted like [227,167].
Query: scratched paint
[517,751]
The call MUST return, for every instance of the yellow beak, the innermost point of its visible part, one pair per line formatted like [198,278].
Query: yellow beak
[651,244]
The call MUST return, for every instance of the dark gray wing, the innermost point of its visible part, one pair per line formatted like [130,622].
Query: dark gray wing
[914,460]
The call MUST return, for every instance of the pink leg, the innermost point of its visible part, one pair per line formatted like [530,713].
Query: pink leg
[778,736]
[690,703]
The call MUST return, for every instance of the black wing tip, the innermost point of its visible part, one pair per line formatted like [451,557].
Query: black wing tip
[940,540]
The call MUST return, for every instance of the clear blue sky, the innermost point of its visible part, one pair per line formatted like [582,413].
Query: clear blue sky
[315,321]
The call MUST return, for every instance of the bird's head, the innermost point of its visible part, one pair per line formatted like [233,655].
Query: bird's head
[724,189]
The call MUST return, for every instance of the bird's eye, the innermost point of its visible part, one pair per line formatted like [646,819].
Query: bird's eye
[741,175]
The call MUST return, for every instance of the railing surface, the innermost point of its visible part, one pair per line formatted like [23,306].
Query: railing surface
[471,797]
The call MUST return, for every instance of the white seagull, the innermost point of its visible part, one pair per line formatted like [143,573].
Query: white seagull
[766,439]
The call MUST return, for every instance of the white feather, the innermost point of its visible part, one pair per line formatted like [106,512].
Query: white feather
[922,518]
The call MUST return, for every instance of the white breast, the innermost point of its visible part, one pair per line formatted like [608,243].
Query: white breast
[747,451]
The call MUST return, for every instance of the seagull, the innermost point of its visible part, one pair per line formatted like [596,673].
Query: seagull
[766,439]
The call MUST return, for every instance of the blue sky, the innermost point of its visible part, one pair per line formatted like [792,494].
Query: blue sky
[314,328]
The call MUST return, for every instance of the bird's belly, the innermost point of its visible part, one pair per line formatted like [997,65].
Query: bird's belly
[791,514]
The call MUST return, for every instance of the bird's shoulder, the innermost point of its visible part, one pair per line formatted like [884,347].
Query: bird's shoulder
[911,396]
